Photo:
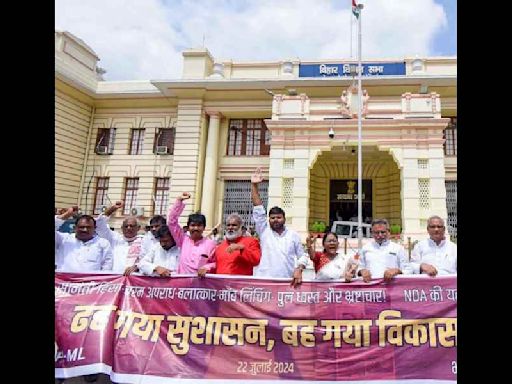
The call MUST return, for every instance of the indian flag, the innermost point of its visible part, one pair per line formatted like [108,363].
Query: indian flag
[355,10]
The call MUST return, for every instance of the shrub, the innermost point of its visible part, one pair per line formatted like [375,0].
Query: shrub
[318,226]
[395,229]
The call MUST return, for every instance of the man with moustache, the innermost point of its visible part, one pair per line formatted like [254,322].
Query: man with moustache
[436,255]
[236,254]
[150,238]
[196,251]
[82,251]
[126,247]
[162,258]
[382,258]
[280,246]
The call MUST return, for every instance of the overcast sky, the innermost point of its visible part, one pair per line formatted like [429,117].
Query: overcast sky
[143,39]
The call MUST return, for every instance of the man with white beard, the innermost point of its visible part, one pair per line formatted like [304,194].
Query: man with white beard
[236,254]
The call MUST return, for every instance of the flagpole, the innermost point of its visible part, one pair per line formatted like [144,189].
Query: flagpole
[359,138]
[350,18]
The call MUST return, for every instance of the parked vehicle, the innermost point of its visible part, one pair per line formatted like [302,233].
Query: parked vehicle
[347,235]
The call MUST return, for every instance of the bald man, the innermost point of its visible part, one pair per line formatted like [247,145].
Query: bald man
[126,247]
[435,255]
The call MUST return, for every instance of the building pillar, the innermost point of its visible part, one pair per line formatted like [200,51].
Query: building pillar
[423,191]
[187,154]
[288,175]
[210,169]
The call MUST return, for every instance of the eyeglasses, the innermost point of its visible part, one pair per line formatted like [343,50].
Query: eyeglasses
[129,226]
[436,226]
[379,232]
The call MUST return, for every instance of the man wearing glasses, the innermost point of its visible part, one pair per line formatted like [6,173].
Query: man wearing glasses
[126,247]
[382,258]
[435,255]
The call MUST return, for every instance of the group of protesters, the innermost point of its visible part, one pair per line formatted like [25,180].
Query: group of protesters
[277,252]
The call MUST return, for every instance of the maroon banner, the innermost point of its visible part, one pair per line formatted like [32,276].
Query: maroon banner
[253,329]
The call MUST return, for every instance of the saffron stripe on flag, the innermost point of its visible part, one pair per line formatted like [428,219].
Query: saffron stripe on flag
[355,10]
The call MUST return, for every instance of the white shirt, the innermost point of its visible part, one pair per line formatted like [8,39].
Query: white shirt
[278,251]
[159,257]
[58,222]
[74,255]
[443,256]
[120,247]
[377,258]
[335,269]
[148,241]
[58,261]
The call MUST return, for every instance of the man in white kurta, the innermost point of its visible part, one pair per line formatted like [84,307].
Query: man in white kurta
[162,258]
[150,238]
[126,247]
[435,255]
[382,258]
[280,246]
[82,251]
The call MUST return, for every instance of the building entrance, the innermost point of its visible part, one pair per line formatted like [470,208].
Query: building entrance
[343,201]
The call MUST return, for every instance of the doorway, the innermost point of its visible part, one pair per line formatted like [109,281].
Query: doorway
[343,200]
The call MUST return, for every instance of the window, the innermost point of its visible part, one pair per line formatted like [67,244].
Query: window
[248,137]
[105,141]
[161,198]
[424,188]
[451,207]
[164,137]
[450,136]
[101,197]
[237,199]
[136,142]
[287,192]
[130,194]
[422,163]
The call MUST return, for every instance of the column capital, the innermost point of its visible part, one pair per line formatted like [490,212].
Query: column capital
[213,113]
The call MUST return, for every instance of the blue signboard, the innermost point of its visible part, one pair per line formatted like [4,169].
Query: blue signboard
[343,70]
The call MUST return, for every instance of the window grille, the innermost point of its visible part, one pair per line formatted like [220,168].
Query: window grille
[287,193]
[164,137]
[161,196]
[101,197]
[137,141]
[423,163]
[106,138]
[288,163]
[248,137]
[424,187]
[130,194]
[450,136]
[451,207]
[253,137]
[237,199]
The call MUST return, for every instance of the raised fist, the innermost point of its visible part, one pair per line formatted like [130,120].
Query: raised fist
[257,177]
[184,196]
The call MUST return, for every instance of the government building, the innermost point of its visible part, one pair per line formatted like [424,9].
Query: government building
[146,142]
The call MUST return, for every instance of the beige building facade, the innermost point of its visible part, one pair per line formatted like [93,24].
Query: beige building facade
[145,142]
